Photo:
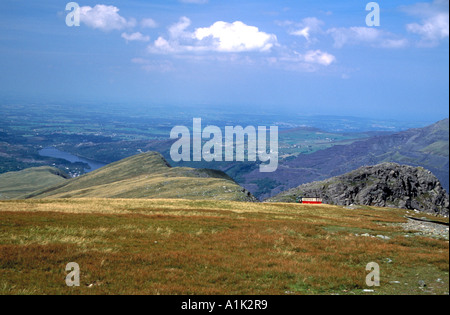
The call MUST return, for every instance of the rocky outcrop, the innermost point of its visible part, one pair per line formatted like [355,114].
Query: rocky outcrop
[383,185]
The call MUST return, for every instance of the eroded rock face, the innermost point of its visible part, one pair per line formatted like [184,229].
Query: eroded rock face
[383,185]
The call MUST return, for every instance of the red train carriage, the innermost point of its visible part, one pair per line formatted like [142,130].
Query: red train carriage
[310,201]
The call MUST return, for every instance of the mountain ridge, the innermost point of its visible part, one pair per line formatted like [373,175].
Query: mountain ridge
[147,175]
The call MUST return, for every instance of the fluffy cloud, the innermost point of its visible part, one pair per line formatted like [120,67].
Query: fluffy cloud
[365,35]
[432,29]
[178,30]
[319,57]
[236,37]
[135,37]
[161,45]
[230,40]
[104,17]
[434,26]
[220,37]
[308,60]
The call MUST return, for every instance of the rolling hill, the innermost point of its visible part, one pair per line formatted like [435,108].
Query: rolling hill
[147,175]
[426,147]
[16,184]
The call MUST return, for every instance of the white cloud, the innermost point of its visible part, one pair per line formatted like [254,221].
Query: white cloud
[236,37]
[220,37]
[365,35]
[307,27]
[311,61]
[179,29]
[434,26]
[432,29]
[305,32]
[230,40]
[104,17]
[163,46]
[135,37]
[319,57]
[342,36]
[149,23]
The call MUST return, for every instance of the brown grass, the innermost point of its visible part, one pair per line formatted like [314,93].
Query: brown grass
[204,247]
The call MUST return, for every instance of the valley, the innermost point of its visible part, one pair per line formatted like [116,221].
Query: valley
[111,133]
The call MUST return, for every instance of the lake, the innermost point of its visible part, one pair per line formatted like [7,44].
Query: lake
[58,154]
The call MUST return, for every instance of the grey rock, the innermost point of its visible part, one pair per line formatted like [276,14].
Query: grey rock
[428,229]
[383,185]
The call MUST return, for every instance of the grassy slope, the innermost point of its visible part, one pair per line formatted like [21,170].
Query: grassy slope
[433,140]
[202,247]
[15,184]
[147,175]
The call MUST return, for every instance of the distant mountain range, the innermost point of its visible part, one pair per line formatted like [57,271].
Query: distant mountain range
[383,185]
[146,175]
[426,147]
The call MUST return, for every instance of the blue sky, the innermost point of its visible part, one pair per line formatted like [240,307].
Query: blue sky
[303,57]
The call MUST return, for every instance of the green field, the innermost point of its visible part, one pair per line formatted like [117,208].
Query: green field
[162,246]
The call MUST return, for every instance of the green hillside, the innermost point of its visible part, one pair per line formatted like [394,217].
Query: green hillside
[438,148]
[15,184]
[433,139]
[147,175]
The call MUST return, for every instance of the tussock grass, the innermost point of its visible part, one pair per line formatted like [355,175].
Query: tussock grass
[167,246]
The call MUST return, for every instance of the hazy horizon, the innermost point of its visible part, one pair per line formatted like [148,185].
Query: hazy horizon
[299,57]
